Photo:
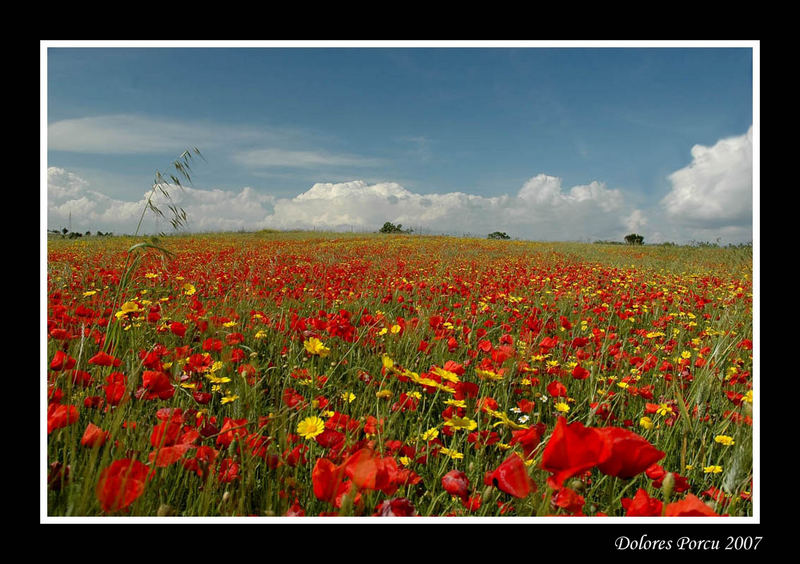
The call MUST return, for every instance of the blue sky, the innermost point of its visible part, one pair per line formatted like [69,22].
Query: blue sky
[543,143]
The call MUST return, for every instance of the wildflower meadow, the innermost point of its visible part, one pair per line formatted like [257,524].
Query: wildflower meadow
[281,374]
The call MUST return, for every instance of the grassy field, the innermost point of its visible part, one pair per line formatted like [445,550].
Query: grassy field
[273,374]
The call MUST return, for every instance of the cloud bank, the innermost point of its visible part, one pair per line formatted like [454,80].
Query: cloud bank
[711,197]
[541,209]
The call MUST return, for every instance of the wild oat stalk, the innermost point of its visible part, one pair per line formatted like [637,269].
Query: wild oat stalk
[177,218]
[161,184]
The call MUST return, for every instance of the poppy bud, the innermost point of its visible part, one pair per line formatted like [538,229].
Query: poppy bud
[165,510]
[226,496]
[576,485]
[667,484]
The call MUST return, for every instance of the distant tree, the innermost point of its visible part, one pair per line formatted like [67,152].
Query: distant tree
[634,239]
[498,235]
[390,227]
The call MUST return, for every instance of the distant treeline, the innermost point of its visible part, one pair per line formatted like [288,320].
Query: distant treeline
[692,243]
[67,234]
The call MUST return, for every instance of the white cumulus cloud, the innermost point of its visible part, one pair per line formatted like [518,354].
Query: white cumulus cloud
[72,202]
[540,210]
[715,191]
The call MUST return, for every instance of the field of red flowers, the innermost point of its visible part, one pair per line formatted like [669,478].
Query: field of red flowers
[375,375]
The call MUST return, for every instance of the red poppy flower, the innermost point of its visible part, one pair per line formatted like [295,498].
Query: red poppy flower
[472,503]
[690,506]
[59,416]
[631,454]
[62,361]
[529,438]
[166,456]
[372,472]
[104,359]
[548,342]
[295,510]
[572,449]
[329,438]
[329,482]
[166,433]
[177,328]
[580,373]
[454,367]
[115,388]
[231,429]
[398,507]
[372,425]
[228,471]
[456,483]
[201,397]
[511,477]
[233,339]
[93,402]
[203,458]
[198,363]
[121,484]
[526,406]
[155,385]
[212,345]
[655,472]
[569,500]
[94,436]
[466,390]
[556,389]
[642,505]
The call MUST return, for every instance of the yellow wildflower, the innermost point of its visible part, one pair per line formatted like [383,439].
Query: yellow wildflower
[127,309]
[455,455]
[310,427]
[229,398]
[461,423]
[430,434]
[315,346]
[664,409]
[446,375]
[489,375]
[456,403]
